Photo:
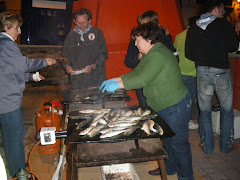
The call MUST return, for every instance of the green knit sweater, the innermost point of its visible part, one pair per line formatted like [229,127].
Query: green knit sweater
[159,75]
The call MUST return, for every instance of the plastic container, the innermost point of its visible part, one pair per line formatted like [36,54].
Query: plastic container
[119,172]
[216,123]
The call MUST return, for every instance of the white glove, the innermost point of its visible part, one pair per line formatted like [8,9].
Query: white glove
[36,77]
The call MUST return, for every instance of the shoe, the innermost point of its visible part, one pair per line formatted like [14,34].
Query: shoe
[155,172]
[193,125]
[235,147]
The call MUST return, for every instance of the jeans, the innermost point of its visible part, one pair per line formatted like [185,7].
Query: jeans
[13,138]
[178,147]
[211,79]
[191,83]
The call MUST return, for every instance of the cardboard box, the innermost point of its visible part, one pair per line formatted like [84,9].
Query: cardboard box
[216,123]
[119,172]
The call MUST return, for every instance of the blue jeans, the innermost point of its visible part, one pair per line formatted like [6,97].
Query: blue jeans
[191,83]
[211,79]
[178,147]
[13,139]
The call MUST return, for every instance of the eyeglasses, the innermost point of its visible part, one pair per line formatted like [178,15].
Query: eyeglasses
[18,28]
[137,40]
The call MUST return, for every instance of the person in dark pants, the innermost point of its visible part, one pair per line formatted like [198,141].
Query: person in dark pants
[208,43]
[187,67]
[133,55]
[14,72]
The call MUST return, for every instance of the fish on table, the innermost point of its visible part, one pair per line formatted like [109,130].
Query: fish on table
[112,122]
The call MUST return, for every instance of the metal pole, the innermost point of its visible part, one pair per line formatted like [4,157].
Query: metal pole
[63,146]
[236,83]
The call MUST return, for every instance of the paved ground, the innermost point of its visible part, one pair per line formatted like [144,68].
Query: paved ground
[217,167]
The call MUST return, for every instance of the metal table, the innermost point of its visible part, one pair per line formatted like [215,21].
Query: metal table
[90,152]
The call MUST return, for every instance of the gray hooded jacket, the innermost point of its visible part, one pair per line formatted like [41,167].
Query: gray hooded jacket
[14,72]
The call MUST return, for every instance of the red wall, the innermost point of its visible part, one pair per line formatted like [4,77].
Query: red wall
[116,18]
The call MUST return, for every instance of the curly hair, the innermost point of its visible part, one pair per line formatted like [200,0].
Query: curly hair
[82,11]
[149,31]
[9,19]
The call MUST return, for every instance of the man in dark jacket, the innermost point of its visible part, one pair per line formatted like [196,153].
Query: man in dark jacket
[207,44]
[85,50]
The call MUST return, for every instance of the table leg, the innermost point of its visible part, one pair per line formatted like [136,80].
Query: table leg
[73,170]
[163,169]
[136,143]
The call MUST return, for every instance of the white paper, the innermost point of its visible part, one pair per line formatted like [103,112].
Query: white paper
[78,72]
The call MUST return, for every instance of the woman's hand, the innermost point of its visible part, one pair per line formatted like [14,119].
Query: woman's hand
[38,77]
[107,82]
[111,87]
[51,61]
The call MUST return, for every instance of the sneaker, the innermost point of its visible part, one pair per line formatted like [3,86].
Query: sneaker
[193,125]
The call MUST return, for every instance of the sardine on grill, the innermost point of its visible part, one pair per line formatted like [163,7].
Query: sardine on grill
[145,113]
[111,133]
[86,131]
[159,129]
[95,131]
[81,124]
[145,127]
[130,130]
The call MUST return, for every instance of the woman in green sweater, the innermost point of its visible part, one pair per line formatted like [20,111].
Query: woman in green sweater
[159,75]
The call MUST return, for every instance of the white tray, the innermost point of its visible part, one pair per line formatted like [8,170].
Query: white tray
[119,172]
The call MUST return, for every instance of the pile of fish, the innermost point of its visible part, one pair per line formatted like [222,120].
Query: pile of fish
[113,122]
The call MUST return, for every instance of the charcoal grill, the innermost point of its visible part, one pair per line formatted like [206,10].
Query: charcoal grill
[90,152]
[93,96]
[76,117]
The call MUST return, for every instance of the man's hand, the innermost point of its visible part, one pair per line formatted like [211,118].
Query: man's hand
[51,61]
[89,68]
[69,69]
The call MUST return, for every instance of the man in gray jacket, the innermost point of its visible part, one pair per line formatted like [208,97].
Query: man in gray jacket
[85,50]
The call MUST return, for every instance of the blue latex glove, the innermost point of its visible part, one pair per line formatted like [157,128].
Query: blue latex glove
[107,82]
[111,87]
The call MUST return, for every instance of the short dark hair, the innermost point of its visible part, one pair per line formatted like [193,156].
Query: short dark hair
[209,5]
[149,31]
[82,11]
[150,15]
